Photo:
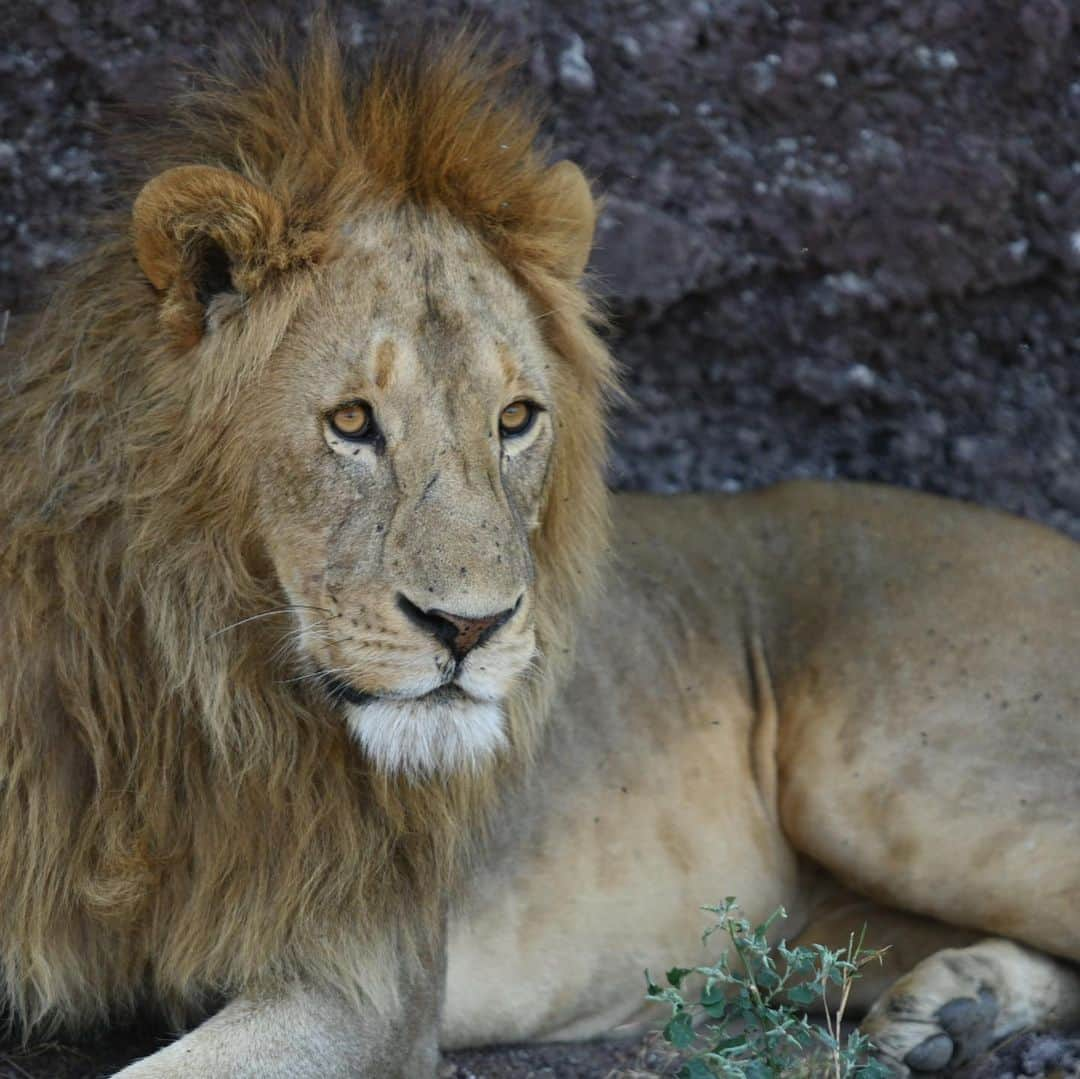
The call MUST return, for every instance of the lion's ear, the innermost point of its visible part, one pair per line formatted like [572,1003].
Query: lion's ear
[200,232]
[574,214]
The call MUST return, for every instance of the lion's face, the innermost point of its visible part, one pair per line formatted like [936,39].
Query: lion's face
[404,434]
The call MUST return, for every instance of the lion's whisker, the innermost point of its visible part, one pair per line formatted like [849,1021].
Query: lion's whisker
[266,614]
[323,672]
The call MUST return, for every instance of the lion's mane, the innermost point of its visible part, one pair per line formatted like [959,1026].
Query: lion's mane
[177,819]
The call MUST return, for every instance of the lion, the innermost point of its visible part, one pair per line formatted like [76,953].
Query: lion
[344,714]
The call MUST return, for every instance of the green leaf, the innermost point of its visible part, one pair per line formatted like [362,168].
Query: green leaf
[802,994]
[758,1069]
[726,1044]
[696,1069]
[770,921]
[680,1030]
[676,975]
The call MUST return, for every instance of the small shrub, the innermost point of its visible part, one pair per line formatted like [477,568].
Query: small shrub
[748,1021]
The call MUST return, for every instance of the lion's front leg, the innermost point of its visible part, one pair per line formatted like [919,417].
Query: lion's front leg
[957,1003]
[307,1034]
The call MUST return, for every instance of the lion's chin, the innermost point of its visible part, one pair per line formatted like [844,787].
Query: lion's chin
[434,735]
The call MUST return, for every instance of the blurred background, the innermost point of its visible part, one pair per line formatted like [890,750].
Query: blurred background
[841,239]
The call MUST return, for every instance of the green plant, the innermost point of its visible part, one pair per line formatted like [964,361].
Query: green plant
[748,1020]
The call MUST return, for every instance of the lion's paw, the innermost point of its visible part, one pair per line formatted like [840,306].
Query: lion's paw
[943,1014]
[958,1003]
[956,1033]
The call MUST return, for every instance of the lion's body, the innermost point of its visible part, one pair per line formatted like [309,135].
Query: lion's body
[276,693]
[811,681]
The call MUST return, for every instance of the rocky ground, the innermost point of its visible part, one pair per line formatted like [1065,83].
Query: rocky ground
[841,238]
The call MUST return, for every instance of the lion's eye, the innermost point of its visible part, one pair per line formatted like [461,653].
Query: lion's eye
[352,420]
[517,418]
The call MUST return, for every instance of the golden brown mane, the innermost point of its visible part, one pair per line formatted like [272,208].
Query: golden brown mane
[188,822]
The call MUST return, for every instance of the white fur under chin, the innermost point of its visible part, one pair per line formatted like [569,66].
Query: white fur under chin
[423,738]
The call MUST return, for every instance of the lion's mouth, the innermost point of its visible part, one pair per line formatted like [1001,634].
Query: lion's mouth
[339,690]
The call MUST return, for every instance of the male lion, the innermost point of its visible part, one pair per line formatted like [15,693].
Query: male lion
[320,698]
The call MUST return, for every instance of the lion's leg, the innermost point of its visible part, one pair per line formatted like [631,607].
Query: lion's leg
[306,1035]
[957,1003]
[905,940]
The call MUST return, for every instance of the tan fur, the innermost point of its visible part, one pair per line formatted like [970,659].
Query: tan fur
[783,693]
[177,819]
[187,207]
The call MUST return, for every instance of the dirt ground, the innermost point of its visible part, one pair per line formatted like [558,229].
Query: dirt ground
[1043,1056]
[841,239]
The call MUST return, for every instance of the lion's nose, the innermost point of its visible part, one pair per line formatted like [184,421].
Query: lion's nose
[460,634]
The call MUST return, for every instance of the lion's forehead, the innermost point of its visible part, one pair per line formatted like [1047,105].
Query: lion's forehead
[429,272]
[422,308]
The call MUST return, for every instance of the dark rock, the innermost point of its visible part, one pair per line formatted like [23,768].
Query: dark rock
[1046,23]
[800,59]
[634,242]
